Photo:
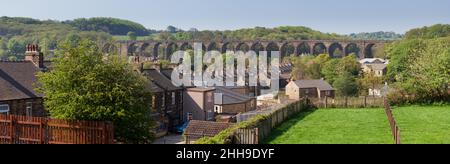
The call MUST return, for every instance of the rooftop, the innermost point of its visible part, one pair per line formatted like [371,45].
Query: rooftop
[230,97]
[320,84]
[160,80]
[206,128]
[17,80]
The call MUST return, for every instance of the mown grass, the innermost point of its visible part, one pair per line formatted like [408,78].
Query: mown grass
[424,124]
[335,126]
[418,125]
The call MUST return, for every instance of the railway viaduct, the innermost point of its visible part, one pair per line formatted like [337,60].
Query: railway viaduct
[163,49]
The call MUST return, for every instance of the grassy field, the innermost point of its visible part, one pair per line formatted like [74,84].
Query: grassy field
[418,125]
[335,126]
[424,125]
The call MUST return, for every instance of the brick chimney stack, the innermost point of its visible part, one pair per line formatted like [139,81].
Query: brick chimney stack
[33,54]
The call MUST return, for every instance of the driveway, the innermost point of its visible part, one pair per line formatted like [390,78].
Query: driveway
[170,139]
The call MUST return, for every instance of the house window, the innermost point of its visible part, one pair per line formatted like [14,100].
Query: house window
[173,98]
[218,109]
[328,93]
[210,115]
[4,109]
[29,109]
[190,116]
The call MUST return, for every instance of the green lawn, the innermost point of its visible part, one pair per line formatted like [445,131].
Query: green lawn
[418,125]
[335,126]
[424,125]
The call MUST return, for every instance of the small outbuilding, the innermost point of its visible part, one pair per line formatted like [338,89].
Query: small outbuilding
[309,89]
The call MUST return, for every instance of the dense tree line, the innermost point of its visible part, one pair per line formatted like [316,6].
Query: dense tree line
[435,31]
[257,33]
[85,85]
[112,26]
[16,33]
[381,35]
[420,66]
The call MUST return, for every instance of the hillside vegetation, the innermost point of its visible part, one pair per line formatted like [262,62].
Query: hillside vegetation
[112,26]
[16,33]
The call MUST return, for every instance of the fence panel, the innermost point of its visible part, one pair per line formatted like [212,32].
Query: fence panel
[264,128]
[394,127]
[37,130]
[348,102]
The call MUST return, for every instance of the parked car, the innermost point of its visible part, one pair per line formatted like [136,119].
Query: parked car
[180,128]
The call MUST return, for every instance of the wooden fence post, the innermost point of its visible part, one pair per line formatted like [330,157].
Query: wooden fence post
[365,101]
[12,128]
[346,102]
[326,101]
[43,129]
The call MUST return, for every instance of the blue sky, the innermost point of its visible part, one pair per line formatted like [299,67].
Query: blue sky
[340,16]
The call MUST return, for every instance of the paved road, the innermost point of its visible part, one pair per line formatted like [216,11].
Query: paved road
[170,139]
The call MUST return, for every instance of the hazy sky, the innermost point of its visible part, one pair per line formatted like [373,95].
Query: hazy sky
[340,16]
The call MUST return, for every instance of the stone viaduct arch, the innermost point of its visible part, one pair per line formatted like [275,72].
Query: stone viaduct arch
[334,48]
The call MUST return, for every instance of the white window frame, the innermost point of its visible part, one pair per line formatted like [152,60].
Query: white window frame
[5,111]
[173,98]
[29,109]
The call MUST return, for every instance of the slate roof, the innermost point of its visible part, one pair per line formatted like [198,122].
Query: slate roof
[160,80]
[205,128]
[153,88]
[377,66]
[373,61]
[167,73]
[319,84]
[17,80]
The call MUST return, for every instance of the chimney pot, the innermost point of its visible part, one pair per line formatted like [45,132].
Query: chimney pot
[34,55]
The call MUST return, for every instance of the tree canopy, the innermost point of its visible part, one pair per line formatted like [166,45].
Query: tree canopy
[16,33]
[435,31]
[112,26]
[83,84]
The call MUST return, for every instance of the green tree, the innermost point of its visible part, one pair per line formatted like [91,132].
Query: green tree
[112,26]
[420,69]
[346,85]
[12,58]
[300,70]
[132,35]
[16,47]
[369,81]
[349,64]
[85,85]
[314,67]
[73,39]
[172,29]
[329,70]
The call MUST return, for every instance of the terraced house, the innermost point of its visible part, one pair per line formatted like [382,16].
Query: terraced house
[17,84]
[167,101]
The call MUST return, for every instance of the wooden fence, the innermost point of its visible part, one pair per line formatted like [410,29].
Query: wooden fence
[392,122]
[39,130]
[349,102]
[256,135]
